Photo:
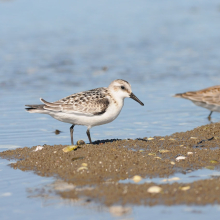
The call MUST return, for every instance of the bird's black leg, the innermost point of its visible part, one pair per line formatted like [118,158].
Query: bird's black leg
[88,134]
[71,133]
[209,117]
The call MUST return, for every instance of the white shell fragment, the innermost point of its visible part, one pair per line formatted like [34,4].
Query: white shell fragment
[38,148]
[189,153]
[137,178]
[180,158]
[173,163]
[154,189]
[150,138]
[184,188]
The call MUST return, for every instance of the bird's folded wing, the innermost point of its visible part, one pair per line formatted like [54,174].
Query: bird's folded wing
[209,96]
[88,107]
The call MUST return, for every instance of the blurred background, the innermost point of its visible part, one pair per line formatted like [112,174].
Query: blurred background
[51,49]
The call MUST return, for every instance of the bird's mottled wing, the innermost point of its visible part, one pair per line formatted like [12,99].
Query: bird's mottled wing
[92,102]
[209,95]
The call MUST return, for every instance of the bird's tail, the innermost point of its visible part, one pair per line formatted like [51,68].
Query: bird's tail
[178,95]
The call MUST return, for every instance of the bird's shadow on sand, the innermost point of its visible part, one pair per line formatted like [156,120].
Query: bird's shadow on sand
[112,140]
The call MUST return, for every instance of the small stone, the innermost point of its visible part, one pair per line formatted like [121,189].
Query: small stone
[57,131]
[80,142]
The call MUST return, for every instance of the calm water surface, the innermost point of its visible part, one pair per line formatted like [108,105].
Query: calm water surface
[52,49]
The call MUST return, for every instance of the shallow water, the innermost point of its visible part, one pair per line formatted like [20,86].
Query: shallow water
[188,177]
[51,49]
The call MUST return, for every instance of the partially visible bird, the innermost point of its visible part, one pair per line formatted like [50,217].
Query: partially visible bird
[207,98]
[90,108]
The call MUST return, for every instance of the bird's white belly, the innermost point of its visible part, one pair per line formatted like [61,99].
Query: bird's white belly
[88,120]
[211,107]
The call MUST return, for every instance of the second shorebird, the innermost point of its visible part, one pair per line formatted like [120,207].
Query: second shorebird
[207,98]
[90,108]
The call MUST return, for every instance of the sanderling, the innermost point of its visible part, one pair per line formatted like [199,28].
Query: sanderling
[207,98]
[90,108]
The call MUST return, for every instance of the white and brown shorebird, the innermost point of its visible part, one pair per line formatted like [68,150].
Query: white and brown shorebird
[90,108]
[207,98]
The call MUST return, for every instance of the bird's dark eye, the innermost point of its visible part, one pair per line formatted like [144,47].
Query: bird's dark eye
[122,87]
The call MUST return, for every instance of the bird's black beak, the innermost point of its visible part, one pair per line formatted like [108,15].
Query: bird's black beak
[136,99]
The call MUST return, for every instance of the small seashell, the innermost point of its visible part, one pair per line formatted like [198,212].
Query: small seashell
[180,158]
[154,189]
[157,158]
[181,145]
[193,138]
[189,153]
[84,164]
[69,148]
[80,142]
[150,138]
[163,151]
[137,178]
[173,163]
[38,148]
[152,154]
[214,161]
[82,168]
[54,152]
[141,150]
[172,139]
[184,188]
[161,139]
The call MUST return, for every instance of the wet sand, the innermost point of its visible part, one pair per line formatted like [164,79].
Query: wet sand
[93,171]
